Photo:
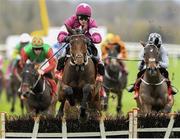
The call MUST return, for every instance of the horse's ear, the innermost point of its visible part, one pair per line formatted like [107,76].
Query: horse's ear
[69,29]
[143,43]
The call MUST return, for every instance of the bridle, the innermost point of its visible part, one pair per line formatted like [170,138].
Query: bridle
[73,58]
[152,60]
[32,87]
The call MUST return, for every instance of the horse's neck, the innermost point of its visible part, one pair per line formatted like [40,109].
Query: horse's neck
[112,73]
[70,71]
[39,86]
[153,79]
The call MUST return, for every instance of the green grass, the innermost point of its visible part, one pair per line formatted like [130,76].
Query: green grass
[127,100]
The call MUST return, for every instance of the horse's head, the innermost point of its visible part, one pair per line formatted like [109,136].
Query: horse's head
[78,49]
[112,60]
[78,46]
[29,79]
[151,58]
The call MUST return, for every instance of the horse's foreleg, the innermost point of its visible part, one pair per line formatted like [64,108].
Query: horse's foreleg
[22,106]
[119,105]
[69,95]
[146,108]
[86,92]
[106,99]
[61,109]
[169,105]
[13,101]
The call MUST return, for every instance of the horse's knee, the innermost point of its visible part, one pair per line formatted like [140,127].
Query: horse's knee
[68,91]
[87,89]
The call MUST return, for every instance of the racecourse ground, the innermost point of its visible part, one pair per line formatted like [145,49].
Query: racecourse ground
[128,101]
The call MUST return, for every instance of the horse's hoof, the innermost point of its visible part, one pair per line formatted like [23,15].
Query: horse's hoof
[12,109]
[59,115]
[105,107]
[118,109]
[84,118]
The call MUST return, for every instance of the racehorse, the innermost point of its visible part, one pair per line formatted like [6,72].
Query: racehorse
[14,84]
[115,79]
[78,81]
[153,91]
[36,91]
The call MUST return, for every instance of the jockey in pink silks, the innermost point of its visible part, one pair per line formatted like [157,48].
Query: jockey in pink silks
[82,20]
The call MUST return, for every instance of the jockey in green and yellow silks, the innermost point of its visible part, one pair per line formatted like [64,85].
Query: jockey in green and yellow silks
[38,52]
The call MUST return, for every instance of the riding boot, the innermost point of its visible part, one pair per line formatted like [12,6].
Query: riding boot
[123,67]
[131,88]
[171,90]
[53,86]
[60,68]
[60,64]
[135,88]
[100,67]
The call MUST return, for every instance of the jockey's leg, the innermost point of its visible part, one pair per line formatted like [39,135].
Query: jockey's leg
[52,82]
[171,90]
[137,82]
[60,65]
[136,87]
[100,68]
[97,61]
[123,67]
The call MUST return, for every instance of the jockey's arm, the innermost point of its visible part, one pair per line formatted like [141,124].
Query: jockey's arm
[123,50]
[24,58]
[141,63]
[52,61]
[63,31]
[95,35]
[164,59]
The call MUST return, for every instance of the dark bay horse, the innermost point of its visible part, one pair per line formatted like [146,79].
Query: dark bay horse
[36,91]
[153,91]
[115,79]
[14,84]
[78,81]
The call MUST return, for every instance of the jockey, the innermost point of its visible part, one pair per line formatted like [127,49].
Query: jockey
[38,51]
[23,41]
[154,38]
[82,19]
[110,42]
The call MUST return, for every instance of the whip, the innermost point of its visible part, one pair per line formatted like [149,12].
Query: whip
[53,55]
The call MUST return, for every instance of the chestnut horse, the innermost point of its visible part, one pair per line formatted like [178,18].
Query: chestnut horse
[153,91]
[78,81]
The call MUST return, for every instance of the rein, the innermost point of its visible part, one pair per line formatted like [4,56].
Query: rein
[122,59]
[108,76]
[156,84]
[31,88]
[53,55]
[73,64]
